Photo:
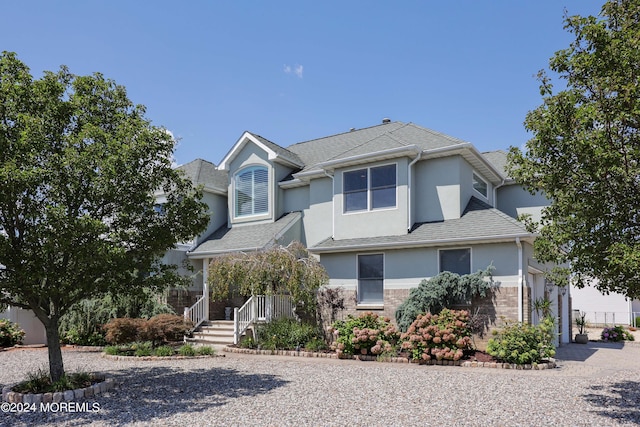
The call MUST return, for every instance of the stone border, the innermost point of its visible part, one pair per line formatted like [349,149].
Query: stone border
[550,364]
[59,396]
[178,357]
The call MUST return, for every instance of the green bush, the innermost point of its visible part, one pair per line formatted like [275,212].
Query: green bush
[522,343]
[365,334]
[142,349]
[615,334]
[316,344]
[10,333]
[444,290]
[112,350]
[205,351]
[247,342]
[186,350]
[83,323]
[441,336]
[286,333]
[163,351]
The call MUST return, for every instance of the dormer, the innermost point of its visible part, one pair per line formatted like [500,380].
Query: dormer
[255,165]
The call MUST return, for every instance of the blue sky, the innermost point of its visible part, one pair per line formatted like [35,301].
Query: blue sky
[298,70]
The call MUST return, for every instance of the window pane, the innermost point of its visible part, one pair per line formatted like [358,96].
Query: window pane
[252,192]
[355,201]
[370,266]
[479,185]
[456,261]
[355,180]
[383,176]
[383,198]
[370,292]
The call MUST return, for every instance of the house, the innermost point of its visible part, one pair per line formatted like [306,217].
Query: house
[383,208]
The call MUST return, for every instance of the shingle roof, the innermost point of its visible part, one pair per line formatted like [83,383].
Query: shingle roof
[498,159]
[245,237]
[278,149]
[369,140]
[479,222]
[202,172]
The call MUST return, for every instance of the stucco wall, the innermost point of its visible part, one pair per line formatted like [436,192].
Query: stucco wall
[436,187]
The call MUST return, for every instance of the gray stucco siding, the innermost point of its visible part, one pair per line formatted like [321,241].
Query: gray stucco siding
[318,218]
[405,268]
[511,198]
[436,187]
[375,222]
[218,214]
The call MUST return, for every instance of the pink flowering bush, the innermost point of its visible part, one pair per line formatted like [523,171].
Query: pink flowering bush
[367,334]
[615,334]
[442,336]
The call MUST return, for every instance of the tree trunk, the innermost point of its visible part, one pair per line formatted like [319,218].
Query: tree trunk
[56,365]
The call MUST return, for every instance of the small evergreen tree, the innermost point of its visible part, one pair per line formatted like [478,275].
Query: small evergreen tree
[442,291]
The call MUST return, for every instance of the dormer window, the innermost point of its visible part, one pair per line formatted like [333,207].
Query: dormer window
[370,188]
[252,191]
[480,185]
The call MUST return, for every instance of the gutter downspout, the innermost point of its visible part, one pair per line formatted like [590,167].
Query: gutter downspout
[520,281]
[495,193]
[409,211]
[333,204]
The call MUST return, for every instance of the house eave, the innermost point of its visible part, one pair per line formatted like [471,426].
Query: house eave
[425,243]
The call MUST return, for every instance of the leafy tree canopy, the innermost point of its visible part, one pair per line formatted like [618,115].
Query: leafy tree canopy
[79,165]
[585,149]
[278,270]
[442,291]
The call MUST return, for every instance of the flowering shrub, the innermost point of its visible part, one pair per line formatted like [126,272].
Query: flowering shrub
[10,333]
[441,336]
[523,343]
[615,334]
[365,334]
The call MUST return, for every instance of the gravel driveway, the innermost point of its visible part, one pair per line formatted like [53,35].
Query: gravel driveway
[594,385]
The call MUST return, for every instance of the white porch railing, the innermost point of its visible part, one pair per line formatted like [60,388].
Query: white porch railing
[260,308]
[198,312]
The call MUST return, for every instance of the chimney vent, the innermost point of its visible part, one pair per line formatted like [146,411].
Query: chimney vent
[386,120]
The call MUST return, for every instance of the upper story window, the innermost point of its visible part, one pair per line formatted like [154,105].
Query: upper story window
[370,188]
[252,191]
[479,184]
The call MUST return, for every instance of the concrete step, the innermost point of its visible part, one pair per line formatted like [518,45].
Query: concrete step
[213,332]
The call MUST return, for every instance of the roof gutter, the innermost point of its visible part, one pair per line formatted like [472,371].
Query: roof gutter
[420,243]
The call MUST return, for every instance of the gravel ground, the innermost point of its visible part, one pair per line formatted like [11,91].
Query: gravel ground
[245,390]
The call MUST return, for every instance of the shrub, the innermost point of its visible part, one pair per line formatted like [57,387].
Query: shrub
[316,344]
[444,290]
[523,343]
[112,350]
[441,336]
[186,350]
[365,334]
[83,323]
[10,333]
[247,342]
[141,349]
[615,334]
[165,328]
[637,322]
[286,333]
[124,330]
[205,351]
[163,350]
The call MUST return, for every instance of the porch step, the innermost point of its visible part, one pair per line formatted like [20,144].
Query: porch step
[219,332]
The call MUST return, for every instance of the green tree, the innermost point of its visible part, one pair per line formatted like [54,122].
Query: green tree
[279,270]
[79,165]
[585,149]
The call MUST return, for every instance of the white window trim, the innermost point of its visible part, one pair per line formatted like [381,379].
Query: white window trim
[366,306]
[241,218]
[369,208]
[480,178]
[453,249]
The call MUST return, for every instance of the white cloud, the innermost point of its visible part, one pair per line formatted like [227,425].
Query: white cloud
[296,69]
